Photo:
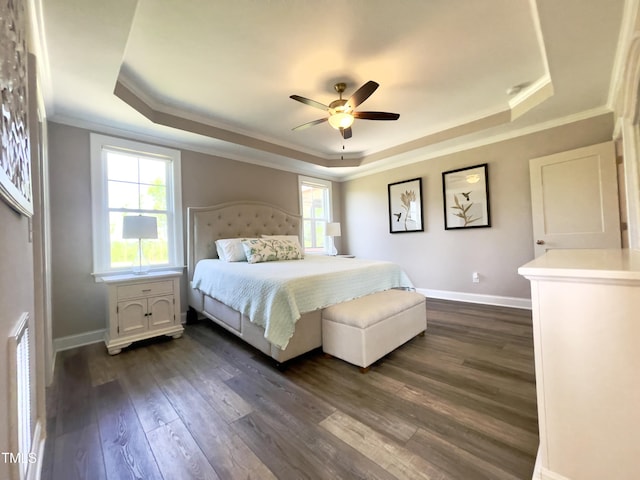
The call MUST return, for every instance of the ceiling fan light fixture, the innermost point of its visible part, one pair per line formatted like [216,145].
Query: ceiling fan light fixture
[341,111]
[341,120]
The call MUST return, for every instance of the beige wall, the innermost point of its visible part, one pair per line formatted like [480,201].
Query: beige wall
[17,280]
[16,297]
[79,304]
[437,259]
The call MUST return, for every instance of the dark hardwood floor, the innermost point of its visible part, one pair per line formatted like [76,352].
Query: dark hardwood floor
[458,403]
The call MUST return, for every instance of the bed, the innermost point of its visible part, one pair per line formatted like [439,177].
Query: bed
[275,306]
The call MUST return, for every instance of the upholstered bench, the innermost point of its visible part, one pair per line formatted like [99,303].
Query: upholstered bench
[365,329]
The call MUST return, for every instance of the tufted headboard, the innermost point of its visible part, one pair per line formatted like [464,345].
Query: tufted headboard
[233,220]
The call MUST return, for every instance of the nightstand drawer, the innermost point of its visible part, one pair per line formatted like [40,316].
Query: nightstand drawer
[145,289]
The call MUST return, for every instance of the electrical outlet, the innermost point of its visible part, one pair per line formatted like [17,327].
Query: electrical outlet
[475,278]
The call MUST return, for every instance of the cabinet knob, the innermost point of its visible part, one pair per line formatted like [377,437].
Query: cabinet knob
[539,242]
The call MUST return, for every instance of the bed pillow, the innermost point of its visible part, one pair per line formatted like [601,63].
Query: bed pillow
[271,249]
[230,249]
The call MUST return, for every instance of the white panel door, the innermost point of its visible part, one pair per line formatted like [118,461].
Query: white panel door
[574,198]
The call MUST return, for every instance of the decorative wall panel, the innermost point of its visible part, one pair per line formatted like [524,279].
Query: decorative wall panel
[15,158]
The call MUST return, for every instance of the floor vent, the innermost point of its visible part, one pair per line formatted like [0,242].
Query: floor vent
[20,388]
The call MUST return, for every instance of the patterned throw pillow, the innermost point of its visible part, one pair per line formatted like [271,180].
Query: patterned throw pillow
[271,249]
[293,238]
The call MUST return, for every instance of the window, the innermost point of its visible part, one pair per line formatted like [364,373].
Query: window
[315,206]
[131,178]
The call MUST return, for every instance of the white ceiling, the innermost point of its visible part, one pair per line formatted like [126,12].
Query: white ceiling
[226,68]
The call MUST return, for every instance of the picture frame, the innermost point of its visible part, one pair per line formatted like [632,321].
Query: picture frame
[405,206]
[15,154]
[465,194]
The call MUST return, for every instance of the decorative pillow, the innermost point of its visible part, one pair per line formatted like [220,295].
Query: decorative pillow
[271,249]
[230,249]
[293,238]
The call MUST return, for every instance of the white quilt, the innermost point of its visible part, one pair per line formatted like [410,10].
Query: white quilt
[275,294]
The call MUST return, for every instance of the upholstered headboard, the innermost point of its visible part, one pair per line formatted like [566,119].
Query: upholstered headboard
[233,220]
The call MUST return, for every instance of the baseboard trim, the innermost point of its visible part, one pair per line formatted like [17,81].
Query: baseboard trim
[536,467]
[542,473]
[545,474]
[72,341]
[79,340]
[513,302]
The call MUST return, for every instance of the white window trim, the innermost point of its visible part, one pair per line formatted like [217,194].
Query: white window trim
[99,201]
[317,181]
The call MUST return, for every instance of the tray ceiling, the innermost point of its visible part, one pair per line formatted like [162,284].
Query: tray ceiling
[216,76]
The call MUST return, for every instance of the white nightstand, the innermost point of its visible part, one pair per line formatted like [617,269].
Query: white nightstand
[142,306]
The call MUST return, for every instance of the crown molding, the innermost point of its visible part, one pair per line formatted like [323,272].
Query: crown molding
[137,98]
[161,117]
[531,96]
[390,163]
[38,46]
[329,173]
[277,163]
[630,20]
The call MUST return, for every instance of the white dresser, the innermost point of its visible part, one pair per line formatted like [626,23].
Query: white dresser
[586,326]
[142,306]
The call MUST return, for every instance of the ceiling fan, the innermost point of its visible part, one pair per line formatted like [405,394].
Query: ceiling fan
[342,112]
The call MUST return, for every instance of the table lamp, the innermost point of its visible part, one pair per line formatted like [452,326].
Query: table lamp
[333,230]
[140,227]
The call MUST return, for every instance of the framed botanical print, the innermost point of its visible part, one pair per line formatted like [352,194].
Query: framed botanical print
[466,198]
[405,206]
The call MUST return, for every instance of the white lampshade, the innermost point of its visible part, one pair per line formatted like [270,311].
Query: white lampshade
[333,229]
[139,226]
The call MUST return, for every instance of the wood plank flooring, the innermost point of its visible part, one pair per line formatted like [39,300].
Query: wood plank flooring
[458,403]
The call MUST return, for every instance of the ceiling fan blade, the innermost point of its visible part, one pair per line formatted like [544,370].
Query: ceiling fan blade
[310,124]
[311,103]
[376,115]
[362,94]
[346,132]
